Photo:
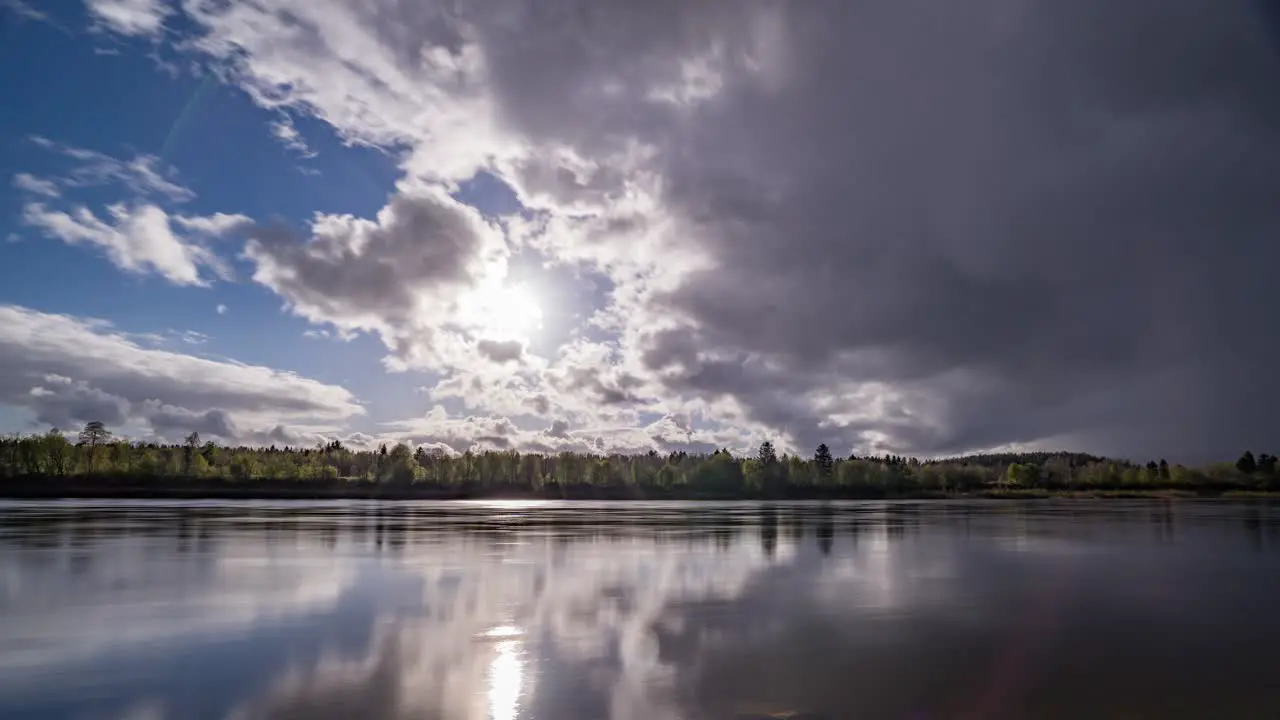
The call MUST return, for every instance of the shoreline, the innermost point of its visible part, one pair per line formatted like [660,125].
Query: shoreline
[306,491]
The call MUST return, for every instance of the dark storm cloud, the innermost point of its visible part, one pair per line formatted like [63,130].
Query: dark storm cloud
[1032,220]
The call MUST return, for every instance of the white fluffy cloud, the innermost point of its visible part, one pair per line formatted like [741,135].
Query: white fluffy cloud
[138,235]
[141,239]
[68,370]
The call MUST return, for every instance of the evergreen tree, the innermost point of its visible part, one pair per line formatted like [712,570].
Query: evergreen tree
[1267,463]
[1246,464]
[823,461]
[767,455]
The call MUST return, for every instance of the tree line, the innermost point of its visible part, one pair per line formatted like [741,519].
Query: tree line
[96,456]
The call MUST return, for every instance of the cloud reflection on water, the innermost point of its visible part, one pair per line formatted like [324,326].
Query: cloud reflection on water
[574,611]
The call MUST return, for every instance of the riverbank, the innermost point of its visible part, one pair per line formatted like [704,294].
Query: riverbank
[113,488]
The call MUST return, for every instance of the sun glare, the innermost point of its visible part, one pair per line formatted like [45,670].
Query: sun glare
[503,312]
[506,676]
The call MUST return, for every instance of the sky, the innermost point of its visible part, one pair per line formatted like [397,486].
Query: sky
[603,226]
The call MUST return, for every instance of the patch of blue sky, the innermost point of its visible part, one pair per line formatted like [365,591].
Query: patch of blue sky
[130,101]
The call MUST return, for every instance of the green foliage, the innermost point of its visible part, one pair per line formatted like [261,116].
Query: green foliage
[678,474]
[1022,474]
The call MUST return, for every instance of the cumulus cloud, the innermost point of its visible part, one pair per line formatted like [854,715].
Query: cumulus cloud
[140,239]
[884,225]
[130,17]
[70,370]
[496,432]
[459,434]
[399,276]
[558,429]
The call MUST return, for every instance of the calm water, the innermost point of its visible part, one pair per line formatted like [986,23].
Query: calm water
[463,611]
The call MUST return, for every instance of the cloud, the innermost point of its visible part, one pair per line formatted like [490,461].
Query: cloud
[558,429]
[221,309]
[501,351]
[216,224]
[71,370]
[1002,223]
[399,276]
[176,421]
[143,175]
[138,239]
[23,10]
[284,131]
[497,432]
[36,186]
[459,434]
[130,17]
[379,75]
[59,401]
[1014,266]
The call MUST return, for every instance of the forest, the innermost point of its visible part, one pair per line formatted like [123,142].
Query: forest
[96,464]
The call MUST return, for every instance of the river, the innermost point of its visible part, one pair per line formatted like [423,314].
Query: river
[639,611]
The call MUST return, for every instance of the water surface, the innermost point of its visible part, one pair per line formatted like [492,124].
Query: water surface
[639,611]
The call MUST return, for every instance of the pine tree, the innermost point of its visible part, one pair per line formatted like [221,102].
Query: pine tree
[767,455]
[823,461]
[1246,464]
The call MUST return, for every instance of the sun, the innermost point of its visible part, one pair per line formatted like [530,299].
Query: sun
[503,312]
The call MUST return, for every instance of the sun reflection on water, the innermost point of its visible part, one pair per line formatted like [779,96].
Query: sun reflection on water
[506,675]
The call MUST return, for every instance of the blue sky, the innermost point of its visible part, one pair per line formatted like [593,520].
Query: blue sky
[909,227]
[206,137]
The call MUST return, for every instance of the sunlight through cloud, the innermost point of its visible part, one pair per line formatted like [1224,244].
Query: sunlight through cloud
[502,312]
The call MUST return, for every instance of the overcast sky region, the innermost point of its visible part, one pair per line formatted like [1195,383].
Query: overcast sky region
[897,226]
